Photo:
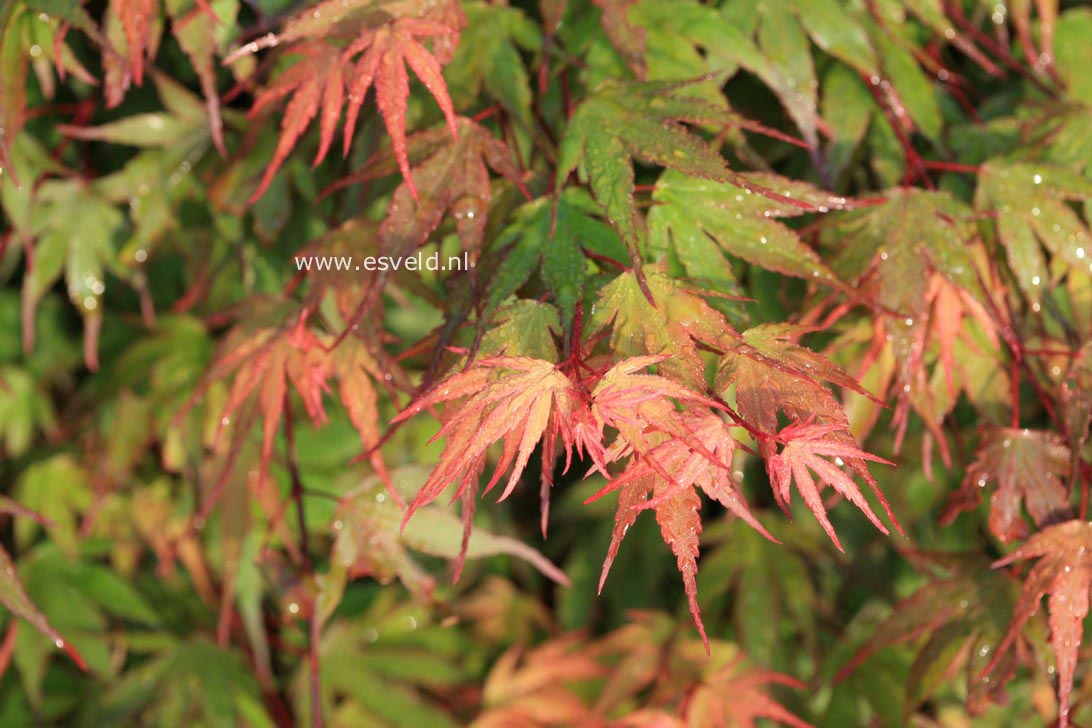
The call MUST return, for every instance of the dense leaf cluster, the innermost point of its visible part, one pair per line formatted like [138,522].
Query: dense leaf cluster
[730,262]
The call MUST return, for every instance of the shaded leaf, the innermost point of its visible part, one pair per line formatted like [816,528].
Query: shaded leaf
[1028,467]
[14,597]
[1063,573]
[957,619]
[531,688]
[369,538]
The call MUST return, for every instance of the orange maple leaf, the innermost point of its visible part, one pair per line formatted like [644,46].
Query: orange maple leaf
[1064,573]
[508,398]
[670,472]
[806,445]
[328,38]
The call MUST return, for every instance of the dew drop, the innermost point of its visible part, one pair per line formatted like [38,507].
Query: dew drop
[294,608]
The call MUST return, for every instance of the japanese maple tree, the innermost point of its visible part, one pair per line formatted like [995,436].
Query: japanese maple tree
[345,345]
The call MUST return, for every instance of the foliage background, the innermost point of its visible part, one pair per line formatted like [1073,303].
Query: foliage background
[195,434]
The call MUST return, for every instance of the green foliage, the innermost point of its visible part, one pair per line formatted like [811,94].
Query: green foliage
[726,261]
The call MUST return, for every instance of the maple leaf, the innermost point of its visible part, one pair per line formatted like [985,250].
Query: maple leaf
[515,399]
[952,348]
[263,359]
[272,347]
[958,618]
[13,90]
[532,688]
[674,324]
[1077,400]
[555,234]
[671,472]
[1030,202]
[368,538]
[201,33]
[387,50]
[1027,466]
[641,405]
[1064,573]
[328,75]
[924,279]
[316,80]
[734,695]
[454,178]
[623,121]
[771,373]
[489,57]
[628,39]
[355,366]
[688,39]
[138,19]
[74,229]
[700,220]
[13,594]
[805,447]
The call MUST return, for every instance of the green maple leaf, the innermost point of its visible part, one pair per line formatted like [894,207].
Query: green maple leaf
[701,220]
[621,122]
[1031,204]
[489,57]
[674,323]
[552,237]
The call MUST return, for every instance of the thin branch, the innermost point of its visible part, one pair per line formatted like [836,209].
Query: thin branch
[315,625]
